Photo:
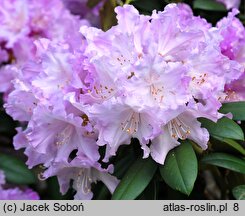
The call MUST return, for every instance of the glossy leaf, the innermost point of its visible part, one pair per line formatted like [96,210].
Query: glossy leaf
[232,143]
[102,194]
[239,192]
[180,168]
[150,193]
[123,165]
[210,5]
[225,128]
[135,180]
[15,170]
[236,108]
[226,161]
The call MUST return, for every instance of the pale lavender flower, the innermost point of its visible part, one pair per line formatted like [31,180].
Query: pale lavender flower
[83,172]
[233,46]
[233,32]
[56,74]
[33,18]
[68,133]
[7,74]
[22,22]
[14,21]
[55,128]
[184,126]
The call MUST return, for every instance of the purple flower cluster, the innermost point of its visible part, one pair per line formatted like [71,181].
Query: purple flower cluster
[233,46]
[15,193]
[149,77]
[24,21]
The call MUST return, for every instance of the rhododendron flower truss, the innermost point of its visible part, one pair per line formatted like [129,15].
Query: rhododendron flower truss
[23,22]
[156,64]
[123,124]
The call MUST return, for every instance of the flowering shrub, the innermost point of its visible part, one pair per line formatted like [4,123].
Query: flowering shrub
[127,107]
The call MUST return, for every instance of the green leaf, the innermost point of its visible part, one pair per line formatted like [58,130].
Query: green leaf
[226,161]
[120,168]
[102,194]
[135,180]
[210,5]
[232,143]
[150,193]
[15,170]
[225,128]
[236,108]
[233,179]
[108,15]
[180,168]
[239,192]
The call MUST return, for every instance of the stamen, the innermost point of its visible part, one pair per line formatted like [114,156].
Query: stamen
[231,95]
[102,92]
[64,137]
[131,124]
[85,120]
[178,129]
[131,75]
[84,181]
[122,60]
[157,93]
[41,166]
[201,79]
